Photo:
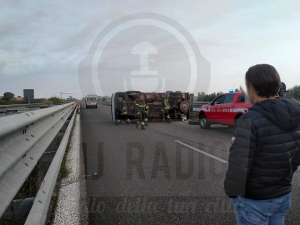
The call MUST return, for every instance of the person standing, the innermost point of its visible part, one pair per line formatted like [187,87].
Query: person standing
[264,152]
[121,111]
[165,108]
[141,108]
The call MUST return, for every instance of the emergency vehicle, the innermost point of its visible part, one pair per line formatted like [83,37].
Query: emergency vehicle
[91,101]
[225,109]
[181,103]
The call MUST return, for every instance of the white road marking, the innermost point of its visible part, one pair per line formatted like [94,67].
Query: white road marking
[204,153]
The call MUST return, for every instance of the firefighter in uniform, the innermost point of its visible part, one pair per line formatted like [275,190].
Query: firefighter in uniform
[165,108]
[141,108]
[121,111]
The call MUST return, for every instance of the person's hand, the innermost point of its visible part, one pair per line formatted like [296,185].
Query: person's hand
[138,113]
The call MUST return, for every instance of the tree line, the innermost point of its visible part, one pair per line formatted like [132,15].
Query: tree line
[8,98]
[202,97]
[294,92]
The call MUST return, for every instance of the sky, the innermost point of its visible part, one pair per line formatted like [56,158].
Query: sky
[72,46]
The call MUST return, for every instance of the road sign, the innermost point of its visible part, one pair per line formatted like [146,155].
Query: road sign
[28,95]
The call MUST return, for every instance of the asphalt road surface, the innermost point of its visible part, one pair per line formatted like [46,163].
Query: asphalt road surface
[167,174]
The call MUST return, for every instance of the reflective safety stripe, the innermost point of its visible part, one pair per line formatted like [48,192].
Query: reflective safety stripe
[220,110]
[167,106]
[231,110]
[141,107]
[239,110]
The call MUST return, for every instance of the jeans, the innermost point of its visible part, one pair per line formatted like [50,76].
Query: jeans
[262,212]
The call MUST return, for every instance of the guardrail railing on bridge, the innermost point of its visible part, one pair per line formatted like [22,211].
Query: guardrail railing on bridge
[23,140]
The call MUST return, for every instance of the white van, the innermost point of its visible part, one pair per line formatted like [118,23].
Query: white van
[91,101]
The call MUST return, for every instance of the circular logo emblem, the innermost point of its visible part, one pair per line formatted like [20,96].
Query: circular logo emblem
[145,52]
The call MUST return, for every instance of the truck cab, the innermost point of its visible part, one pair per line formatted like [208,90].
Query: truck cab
[225,109]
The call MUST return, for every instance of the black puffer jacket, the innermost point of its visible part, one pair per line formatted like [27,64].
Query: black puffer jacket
[265,151]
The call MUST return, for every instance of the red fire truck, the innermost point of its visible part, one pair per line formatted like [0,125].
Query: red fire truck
[226,109]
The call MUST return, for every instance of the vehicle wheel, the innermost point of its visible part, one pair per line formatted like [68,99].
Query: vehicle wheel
[204,124]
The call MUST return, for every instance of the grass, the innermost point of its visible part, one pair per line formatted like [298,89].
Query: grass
[64,170]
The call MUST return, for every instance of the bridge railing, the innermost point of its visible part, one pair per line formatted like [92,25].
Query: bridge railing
[23,140]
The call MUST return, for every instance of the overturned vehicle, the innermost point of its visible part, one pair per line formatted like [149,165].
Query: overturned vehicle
[181,104]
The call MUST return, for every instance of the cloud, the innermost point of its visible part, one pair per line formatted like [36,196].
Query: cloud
[42,43]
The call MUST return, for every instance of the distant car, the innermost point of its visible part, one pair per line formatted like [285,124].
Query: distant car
[226,109]
[91,101]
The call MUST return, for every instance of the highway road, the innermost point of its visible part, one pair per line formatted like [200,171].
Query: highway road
[167,174]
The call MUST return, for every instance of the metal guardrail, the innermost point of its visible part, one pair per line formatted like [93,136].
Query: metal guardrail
[23,140]
[200,103]
[21,105]
[38,212]
[19,108]
[197,107]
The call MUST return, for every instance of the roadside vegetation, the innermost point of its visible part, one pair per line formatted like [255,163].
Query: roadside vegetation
[202,97]
[9,98]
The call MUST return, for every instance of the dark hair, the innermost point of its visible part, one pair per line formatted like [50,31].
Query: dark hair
[265,80]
